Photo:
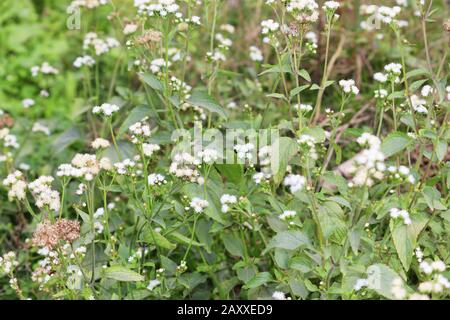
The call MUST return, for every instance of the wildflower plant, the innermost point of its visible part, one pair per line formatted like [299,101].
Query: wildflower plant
[177,149]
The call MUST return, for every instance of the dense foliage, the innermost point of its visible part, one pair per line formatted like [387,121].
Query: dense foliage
[224,149]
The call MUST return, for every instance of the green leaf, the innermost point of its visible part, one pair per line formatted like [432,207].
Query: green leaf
[433,198]
[201,98]
[158,239]
[395,142]
[183,239]
[405,238]
[233,244]
[289,240]
[441,150]
[258,280]
[121,273]
[297,90]
[305,75]
[276,69]
[233,172]
[381,278]
[65,139]
[152,81]
[331,218]
[283,149]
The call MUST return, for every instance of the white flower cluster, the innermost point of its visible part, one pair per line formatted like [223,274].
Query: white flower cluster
[331,5]
[447,89]
[44,194]
[348,86]
[209,156]
[381,93]
[369,163]
[438,283]
[85,60]
[278,295]
[393,71]
[398,213]
[295,182]
[256,54]
[84,165]
[45,68]
[268,29]
[378,15]
[161,8]
[140,130]
[419,104]
[287,214]
[226,200]
[309,142]
[311,41]
[148,149]
[130,28]
[51,262]
[198,204]
[180,86]
[88,4]
[156,179]
[100,143]
[303,10]
[125,166]
[98,221]
[100,46]
[426,91]
[106,109]
[17,186]
[157,64]
[303,107]
[245,151]
[184,165]
[401,172]
[9,140]
[8,262]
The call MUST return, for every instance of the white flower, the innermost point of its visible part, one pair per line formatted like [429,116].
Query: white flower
[348,86]
[84,61]
[100,143]
[418,104]
[100,46]
[198,205]
[278,295]
[107,109]
[380,77]
[45,68]
[209,156]
[28,103]
[153,284]
[156,179]
[288,214]
[256,54]
[269,26]
[303,107]
[227,199]
[331,5]
[148,149]
[295,182]
[43,194]
[360,283]
[16,184]
[130,28]
[245,151]
[426,91]
[397,213]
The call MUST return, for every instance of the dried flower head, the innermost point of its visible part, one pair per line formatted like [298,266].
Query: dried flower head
[48,235]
